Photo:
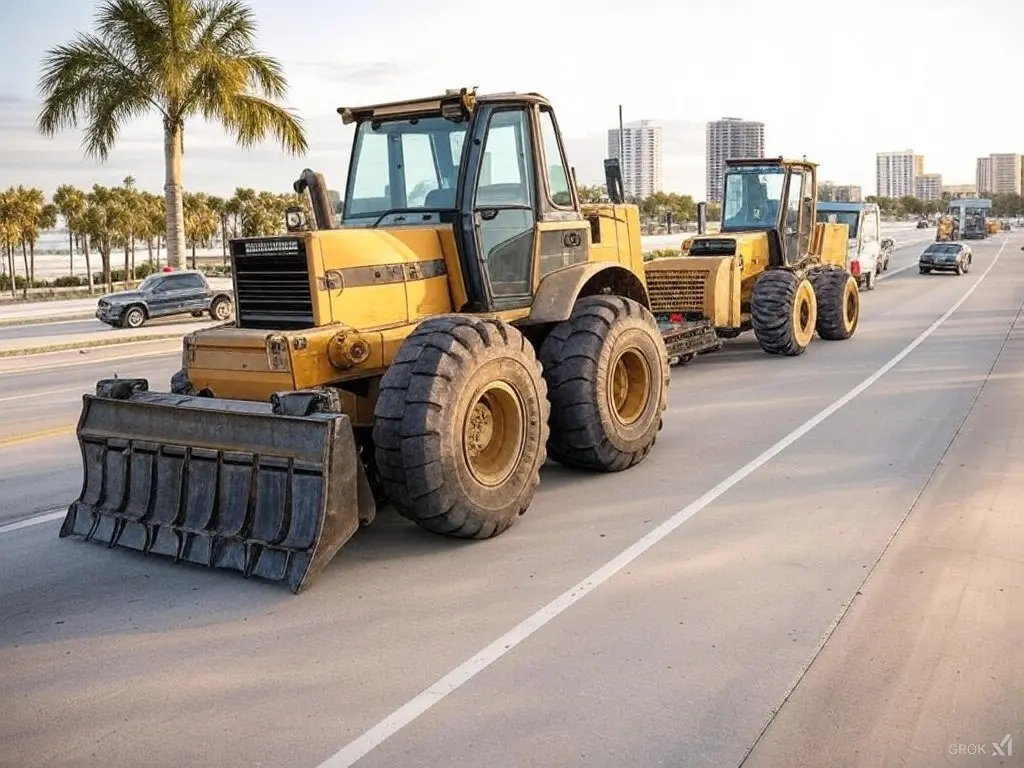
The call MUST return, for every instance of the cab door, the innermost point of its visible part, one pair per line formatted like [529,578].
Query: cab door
[505,207]
[563,233]
[870,242]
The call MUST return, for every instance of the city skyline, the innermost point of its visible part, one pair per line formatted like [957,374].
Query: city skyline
[347,66]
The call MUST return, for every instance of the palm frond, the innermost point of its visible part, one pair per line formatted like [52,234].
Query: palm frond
[128,25]
[252,119]
[79,75]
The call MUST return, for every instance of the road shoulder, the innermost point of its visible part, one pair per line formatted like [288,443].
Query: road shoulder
[927,666]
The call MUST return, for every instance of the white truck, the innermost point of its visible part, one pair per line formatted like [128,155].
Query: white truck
[868,254]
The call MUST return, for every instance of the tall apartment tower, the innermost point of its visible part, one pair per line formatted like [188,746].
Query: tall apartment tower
[1005,174]
[729,138]
[641,157]
[896,173]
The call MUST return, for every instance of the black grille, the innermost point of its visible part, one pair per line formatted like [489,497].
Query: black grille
[272,283]
[713,247]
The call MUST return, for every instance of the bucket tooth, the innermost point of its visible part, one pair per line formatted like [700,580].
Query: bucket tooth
[272,490]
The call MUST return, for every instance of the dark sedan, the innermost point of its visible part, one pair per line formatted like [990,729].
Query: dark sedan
[946,257]
[163,295]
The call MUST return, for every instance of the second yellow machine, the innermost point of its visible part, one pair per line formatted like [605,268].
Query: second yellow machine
[465,321]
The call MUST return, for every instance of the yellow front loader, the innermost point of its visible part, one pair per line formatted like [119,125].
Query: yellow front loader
[947,229]
[770,267]
[464,321]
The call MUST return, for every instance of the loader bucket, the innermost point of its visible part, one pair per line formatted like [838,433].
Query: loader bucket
[269,489]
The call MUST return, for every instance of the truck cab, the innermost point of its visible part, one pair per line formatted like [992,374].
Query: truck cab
[864,252]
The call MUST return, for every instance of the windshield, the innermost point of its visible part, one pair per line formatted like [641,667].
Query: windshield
[403,164]
[939,249]
[849,218]
[753,196]
[149,283]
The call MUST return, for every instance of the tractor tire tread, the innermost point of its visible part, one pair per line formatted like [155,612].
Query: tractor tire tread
[571,355]
[771,311]
[413,418]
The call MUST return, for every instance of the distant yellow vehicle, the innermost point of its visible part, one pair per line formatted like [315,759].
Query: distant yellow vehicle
[992,227]
[947,229]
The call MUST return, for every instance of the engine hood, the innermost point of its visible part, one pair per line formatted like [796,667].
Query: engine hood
[122,297]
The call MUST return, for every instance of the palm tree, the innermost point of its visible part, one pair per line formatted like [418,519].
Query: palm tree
[10,232]
[181,59]
[70,203]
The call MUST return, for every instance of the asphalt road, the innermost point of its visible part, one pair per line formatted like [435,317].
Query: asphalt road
[657,617]
[61,328]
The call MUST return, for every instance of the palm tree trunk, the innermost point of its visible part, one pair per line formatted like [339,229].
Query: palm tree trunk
[71,252]
[172,193]
[88,262]
[28,278]
[10,263]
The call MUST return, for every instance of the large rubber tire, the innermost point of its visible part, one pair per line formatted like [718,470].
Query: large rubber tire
[838,298]
[607,372]
[783,312]
[453,378]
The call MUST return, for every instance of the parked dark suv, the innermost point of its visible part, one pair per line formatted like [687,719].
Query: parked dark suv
[163,295]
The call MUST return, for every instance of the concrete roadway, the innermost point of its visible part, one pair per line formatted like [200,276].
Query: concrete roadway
[659,627]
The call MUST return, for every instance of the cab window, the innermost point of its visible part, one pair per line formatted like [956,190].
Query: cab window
[558,176]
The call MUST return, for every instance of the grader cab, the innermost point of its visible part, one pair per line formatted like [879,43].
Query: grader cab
[463,320]
[770,268]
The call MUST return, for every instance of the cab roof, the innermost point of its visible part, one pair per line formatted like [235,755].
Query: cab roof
[452,102]
[839,207]
[780,160]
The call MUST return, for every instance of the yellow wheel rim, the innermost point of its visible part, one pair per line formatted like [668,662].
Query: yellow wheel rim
[805,313]
[629,386]
[494,434]
[851,305]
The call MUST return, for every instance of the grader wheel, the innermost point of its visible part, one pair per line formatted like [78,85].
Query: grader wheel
[460,426]
[838,302]
[783,312]
[607,372]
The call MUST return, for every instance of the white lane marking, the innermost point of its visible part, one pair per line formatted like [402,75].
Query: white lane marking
[86,360]
[408,712]
[28,522]
[41,393]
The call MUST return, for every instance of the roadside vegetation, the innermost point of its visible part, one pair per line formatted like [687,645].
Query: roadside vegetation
[119,233]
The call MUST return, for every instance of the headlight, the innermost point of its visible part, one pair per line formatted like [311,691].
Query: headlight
[277,353]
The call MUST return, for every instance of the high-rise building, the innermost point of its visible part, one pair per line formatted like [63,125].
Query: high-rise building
[640,159]
[1006,173]
[896,173]
[928,186]
[983,175]
[727,139]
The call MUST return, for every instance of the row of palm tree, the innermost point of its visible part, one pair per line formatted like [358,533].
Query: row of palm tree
[106,220]
[24,215]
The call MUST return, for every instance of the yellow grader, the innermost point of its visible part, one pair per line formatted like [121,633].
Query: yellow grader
[464,321]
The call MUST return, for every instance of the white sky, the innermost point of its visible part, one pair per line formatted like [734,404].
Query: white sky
[833,81]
